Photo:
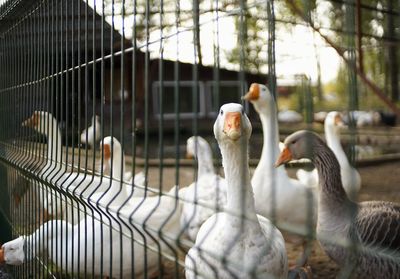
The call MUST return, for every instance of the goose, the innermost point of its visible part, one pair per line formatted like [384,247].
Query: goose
[363,237]
[287,201]
[117,244]
[92,133]
[351,179]
[44,123]
[289,116]
[133,186]
[56,173]
[236,243]
[209,189]
[106,191]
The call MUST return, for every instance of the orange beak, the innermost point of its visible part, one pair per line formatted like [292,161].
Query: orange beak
[189,155]
[107,151]
[232,125]
[338,120]
[284,157]
[1,255]
[253,94]
[31,122]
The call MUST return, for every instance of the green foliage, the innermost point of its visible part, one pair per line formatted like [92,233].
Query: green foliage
[251,48]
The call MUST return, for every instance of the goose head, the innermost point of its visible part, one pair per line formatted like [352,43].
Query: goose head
[196,145]
[232,124]
[39,121]
[297,146]
[259,96]
[110,147]
[334,121]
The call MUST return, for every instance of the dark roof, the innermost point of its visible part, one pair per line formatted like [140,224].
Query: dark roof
[51,24]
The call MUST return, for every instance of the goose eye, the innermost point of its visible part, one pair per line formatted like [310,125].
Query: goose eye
[221,112]
[293,142]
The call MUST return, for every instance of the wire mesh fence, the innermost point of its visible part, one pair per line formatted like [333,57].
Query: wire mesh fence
[100,103]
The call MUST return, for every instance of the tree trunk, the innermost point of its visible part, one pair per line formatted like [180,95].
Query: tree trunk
[197,31]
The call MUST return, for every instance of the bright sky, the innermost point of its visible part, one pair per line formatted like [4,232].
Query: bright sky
[295,51]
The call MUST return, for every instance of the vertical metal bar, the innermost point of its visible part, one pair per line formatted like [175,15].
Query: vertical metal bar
[161,100]
[216,65]
[122,134]
[271,49]
[146,111]
[86,122]
[177,94]
[349,265]
[96,129]
[103,18]
[58,158]
[359,36]
[73,117]
[134,117]
[67,115]
[79,114]
[197,55]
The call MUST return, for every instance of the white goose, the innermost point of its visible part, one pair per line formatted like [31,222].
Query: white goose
[44,123]
[56,173]
[92,133]
[351,179]
[112,148]
[109,193]
[236,243]
[278,197]
[104,241]
[209,189]
[112,247]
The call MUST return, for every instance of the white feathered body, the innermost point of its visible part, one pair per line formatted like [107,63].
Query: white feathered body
[243,247]
[210,191]
[92,135]
[287,201]
[105,246]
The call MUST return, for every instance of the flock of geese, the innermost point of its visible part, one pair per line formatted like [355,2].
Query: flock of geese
[233,223]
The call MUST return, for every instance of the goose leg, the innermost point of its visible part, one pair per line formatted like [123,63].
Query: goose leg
[300,272]
[302,261]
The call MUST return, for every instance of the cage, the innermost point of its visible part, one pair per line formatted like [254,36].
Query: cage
[101,102]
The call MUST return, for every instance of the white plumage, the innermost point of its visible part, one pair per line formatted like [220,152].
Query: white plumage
[351,179]
[56,173]
[92,133]
[106,246]
[236,243]
[291,203]
[206,194]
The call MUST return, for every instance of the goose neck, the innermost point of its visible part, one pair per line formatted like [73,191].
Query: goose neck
[54,144]
[204,162]
[116,195]
[331,189]
[270,148]
[333,141]
[240,198]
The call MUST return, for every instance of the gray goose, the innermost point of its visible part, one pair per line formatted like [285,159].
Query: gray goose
[363,237]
